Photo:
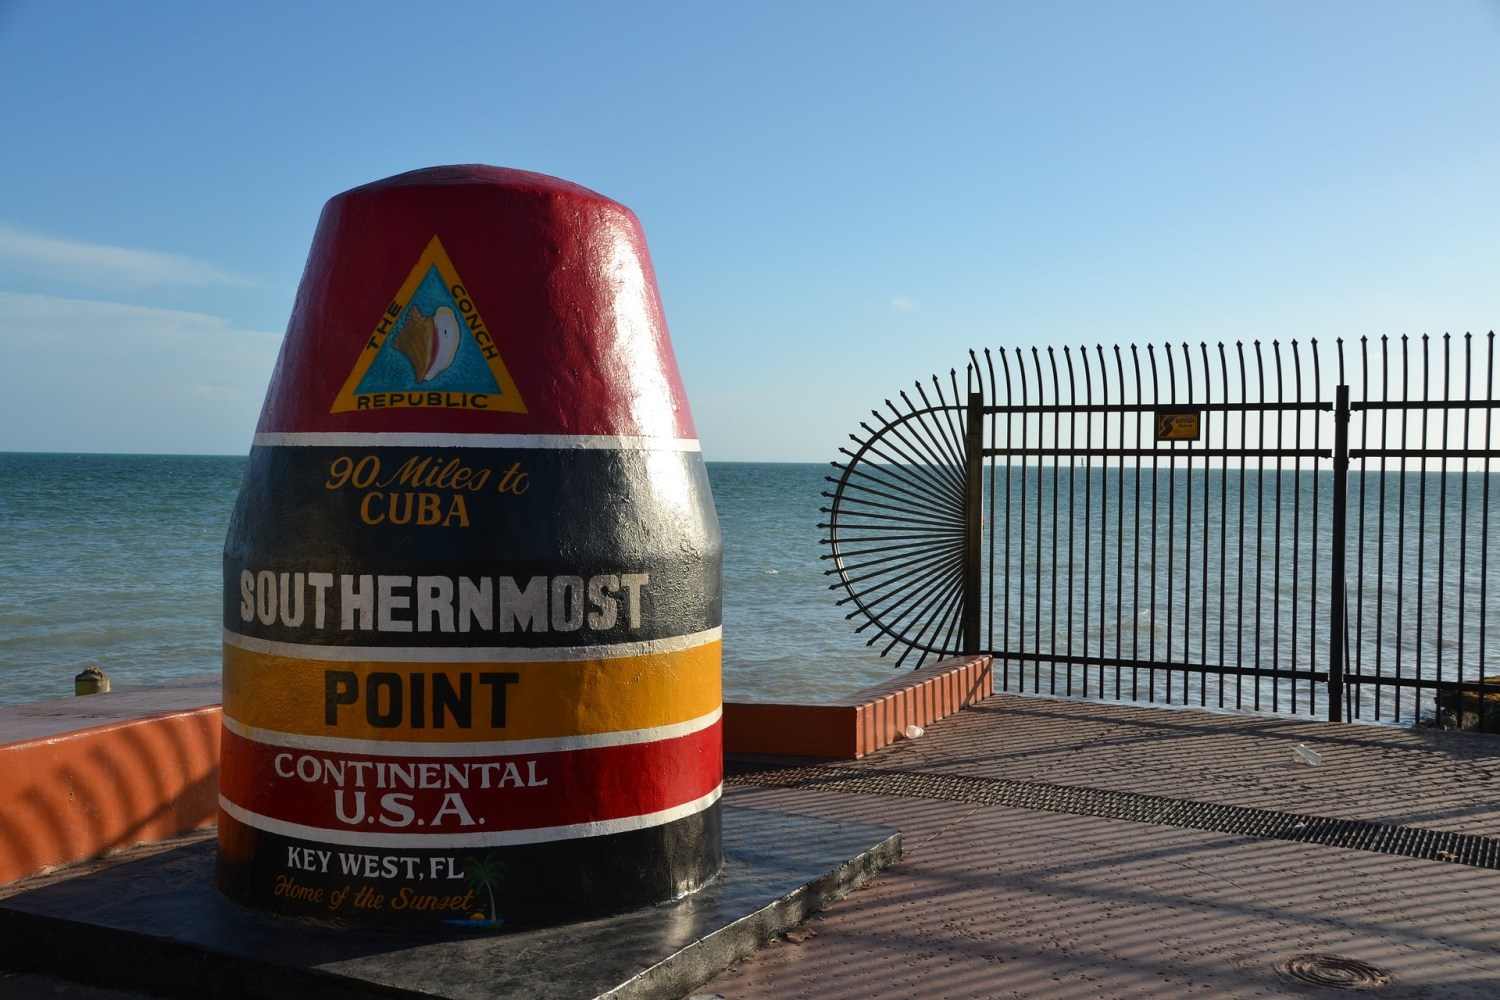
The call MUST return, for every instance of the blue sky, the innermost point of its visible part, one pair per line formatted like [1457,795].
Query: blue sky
[839,197]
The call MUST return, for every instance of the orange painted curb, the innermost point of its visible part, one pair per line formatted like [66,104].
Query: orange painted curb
[76,793]
[849,728]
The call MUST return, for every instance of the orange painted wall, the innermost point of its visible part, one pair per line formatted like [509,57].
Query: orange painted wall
[79,794]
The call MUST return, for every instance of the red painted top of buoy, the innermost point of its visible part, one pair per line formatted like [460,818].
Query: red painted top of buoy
[477,299]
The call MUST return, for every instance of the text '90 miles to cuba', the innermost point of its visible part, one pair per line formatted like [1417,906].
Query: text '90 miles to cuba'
[423,490]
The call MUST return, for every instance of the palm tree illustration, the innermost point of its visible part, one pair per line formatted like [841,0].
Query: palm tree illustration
[486,875]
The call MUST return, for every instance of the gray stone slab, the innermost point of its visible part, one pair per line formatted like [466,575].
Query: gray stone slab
[157,924]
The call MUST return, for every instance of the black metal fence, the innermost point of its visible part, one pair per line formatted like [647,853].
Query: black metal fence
[1241,528]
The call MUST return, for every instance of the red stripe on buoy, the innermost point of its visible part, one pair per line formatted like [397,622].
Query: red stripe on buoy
[428,799]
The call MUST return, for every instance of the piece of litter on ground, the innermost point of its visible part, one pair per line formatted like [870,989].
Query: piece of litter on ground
[1306,756]
[912,732]
[799,934]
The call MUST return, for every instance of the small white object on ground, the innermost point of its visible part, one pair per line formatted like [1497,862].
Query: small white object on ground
[1307,756]
[912,732]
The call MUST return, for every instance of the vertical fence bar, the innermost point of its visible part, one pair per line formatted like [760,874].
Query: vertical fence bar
[1399,603]
[1312,545]
[1172,533]
[1005,589]
[1484,536]
[1442,514]
[1276,554]
[1207,436]
[1463,497]
[1056,508]
[1088,500]
[1338,608]
[1224,518]
[1119,541]
[993,439]
[1424,442]
[1357,653]
[1187,531]
[973,507]
[1296,605]
[1020,584]
[1073,508]
[1260,520]
[1041,477]
[1381,517]
[1239,563]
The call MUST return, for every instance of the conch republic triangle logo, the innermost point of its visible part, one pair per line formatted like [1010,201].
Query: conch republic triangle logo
[430,348]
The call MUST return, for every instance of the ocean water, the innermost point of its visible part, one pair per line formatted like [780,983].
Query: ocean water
[115,561]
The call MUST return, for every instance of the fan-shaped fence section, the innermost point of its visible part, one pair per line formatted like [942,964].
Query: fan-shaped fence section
[898,521]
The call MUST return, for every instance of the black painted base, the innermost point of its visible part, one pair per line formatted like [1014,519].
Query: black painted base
[465,889]
[156,924]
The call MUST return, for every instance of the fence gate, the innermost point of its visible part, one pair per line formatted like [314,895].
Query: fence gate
[1239,528]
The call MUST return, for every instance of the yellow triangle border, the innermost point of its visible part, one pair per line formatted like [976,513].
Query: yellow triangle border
[507,400]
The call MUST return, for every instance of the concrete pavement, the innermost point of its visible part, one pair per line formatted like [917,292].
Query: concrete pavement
[1055,901]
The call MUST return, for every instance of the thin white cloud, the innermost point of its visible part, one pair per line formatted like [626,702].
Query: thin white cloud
[50,322]
[124,377]
[902,303]
[98,266]
[154,346]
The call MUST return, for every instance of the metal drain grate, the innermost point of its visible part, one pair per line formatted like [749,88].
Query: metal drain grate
[1380,838]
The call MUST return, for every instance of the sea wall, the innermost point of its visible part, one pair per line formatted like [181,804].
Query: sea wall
[81,777]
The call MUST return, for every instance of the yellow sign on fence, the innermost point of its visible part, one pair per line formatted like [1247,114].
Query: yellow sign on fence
[1177,425]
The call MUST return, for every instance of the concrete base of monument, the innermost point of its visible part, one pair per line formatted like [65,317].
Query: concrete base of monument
[151,920]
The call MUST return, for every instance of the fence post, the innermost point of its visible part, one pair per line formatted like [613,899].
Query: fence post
[973,509]
[1338,604]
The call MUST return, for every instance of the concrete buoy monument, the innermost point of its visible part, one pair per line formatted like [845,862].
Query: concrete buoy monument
[472,581]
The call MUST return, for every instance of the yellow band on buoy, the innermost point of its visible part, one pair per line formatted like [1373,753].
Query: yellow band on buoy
[439,701]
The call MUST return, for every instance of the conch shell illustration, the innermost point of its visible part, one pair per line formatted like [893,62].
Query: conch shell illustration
[430,343]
